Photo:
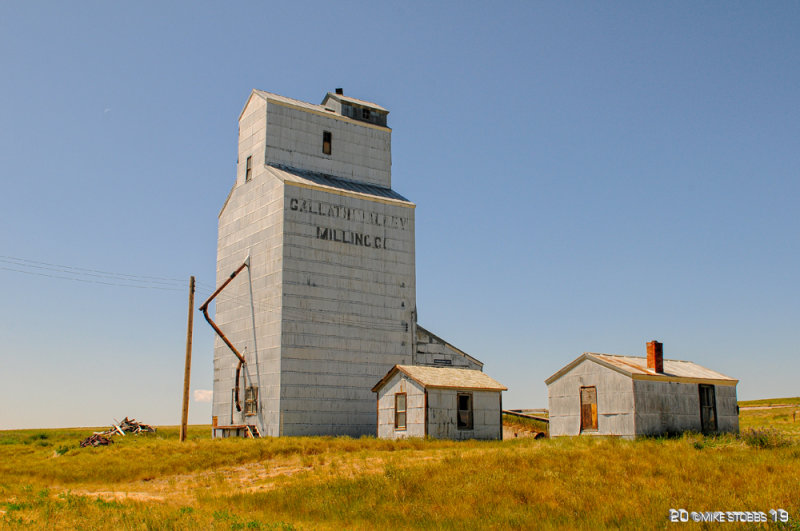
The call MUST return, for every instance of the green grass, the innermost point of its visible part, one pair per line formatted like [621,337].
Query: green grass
[155,482]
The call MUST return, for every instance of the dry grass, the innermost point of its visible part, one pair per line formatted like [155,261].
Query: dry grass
[785,420]
[322,482]
[526,424]
[770,402]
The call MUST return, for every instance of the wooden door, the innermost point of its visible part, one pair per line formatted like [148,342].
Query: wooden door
[708,408]
[588,408]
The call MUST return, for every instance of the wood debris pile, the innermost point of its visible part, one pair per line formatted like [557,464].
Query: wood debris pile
[129,426]
[95,440]
[103,438]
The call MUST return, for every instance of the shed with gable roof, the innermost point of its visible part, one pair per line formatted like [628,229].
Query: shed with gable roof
[630,396]
[439,402]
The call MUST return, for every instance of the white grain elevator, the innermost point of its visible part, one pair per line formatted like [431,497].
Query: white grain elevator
[324,301]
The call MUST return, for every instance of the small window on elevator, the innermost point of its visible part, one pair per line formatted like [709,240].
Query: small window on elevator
[248,169]
[250,400]
[326,142]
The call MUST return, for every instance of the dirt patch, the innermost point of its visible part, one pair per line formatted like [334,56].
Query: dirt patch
[184,489]
[121,496]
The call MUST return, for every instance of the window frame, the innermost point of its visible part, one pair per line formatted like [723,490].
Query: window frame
[250,401]
[327,143]
[248,169]
[470,424]
[398,412]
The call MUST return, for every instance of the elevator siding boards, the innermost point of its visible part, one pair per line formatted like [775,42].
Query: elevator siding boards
[328,303]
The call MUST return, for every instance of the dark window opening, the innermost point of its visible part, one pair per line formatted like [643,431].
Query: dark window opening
[248,169]
[588,408]
[464,417]
[365,114]
[400,411]
[326,142]
[708,408]
[250,400]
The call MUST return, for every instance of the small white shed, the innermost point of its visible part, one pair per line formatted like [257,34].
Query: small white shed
[439,402]
[629,396]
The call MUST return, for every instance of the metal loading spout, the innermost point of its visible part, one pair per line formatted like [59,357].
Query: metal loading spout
[204,309]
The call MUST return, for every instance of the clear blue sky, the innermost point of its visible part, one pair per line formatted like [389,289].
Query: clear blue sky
[589,176]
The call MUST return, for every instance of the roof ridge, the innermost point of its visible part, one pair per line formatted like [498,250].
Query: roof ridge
[281,96]
[637,357]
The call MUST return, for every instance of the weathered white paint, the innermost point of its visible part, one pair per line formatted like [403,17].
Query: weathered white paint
[415,407]
[319,321]
[614,401]
[674,407]
[434,351]
[441,412]
[251,223]
[359,153]
[629,407]
[347,313]
[443,409]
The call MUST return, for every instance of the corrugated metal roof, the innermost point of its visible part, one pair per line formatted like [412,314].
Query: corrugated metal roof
[677,368]
[310,178]
[445,377]
[636,367]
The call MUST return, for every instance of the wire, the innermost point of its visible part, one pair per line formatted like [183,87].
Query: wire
[23,262]
[90,276]
[90,281]
[109,278]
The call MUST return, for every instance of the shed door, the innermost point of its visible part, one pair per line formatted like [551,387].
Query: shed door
[588,408]
[708,408]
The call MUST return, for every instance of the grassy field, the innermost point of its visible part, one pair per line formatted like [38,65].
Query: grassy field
[783,419]
[532,425]
[771,402]
[155,482]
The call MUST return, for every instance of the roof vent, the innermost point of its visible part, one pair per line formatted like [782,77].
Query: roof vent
[340,91]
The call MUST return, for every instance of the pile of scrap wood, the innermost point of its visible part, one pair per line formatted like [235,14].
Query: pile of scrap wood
[130,426]
[103,438]
[95,440]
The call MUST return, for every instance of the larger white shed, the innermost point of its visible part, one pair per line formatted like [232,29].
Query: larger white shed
[628,396]
[439,402]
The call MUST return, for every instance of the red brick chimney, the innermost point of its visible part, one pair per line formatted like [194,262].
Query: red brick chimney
[655,356]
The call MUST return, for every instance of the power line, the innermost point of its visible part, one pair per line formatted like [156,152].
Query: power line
[90,276]
[90,281]
[24,262]
[109,278]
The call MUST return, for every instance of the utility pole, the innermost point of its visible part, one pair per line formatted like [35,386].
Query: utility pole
[188,368]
